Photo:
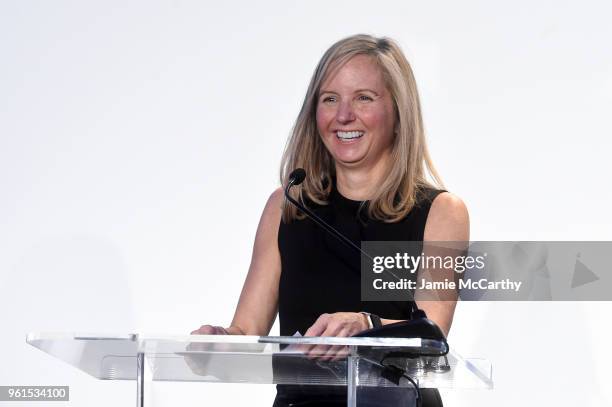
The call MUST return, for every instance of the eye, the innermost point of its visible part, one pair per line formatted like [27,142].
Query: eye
[329,99]
[365,98]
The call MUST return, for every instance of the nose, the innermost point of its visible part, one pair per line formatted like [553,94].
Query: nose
[345,113]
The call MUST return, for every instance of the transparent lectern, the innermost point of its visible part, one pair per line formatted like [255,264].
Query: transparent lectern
[357,363]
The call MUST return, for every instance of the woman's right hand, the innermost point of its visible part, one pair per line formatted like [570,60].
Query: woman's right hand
[210,330]
[197,359]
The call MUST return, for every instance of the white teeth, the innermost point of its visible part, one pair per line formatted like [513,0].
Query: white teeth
[348,135]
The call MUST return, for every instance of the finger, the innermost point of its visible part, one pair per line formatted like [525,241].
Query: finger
[209,330]
[219,330]
[319,326]
[301,348]
[328,352]
[318,351]
[342,353]
[317,329]
[333,351]
[203,330]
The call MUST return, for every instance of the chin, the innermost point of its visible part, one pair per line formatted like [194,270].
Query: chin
[349,161]
[349,156]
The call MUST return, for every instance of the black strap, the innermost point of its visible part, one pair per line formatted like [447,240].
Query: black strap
[376,323]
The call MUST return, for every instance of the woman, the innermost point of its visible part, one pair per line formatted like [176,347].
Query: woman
[360,138]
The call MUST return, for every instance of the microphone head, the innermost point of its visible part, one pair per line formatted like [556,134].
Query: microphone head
[297,176]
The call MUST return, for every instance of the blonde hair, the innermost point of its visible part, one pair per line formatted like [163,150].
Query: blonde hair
[411,163]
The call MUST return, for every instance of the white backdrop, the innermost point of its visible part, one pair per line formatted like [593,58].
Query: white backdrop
[139,143]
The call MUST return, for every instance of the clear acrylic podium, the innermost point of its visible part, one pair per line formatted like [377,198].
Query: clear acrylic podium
[356,363]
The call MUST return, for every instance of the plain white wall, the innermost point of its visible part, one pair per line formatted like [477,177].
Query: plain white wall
[139,142]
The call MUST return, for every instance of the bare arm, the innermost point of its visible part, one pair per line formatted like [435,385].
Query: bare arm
[258,303]
[448,221]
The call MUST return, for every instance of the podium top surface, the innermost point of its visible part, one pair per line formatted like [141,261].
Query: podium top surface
[262,359]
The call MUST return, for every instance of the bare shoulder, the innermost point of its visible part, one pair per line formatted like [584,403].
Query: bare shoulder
[448,205]
[277,196]
[448,219]
[275,201]
[273,210]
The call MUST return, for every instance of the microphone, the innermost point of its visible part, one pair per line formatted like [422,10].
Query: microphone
[296,177]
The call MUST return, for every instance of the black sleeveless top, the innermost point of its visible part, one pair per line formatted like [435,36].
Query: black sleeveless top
[322,275]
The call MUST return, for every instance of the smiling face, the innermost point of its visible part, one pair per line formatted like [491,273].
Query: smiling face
[355,114]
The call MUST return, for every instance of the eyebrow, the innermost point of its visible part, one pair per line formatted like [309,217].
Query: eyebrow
[322,91]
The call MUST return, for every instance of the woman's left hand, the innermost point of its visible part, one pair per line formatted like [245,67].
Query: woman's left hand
[340,324]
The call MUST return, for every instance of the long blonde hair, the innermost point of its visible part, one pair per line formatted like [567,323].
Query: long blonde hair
[411,163]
